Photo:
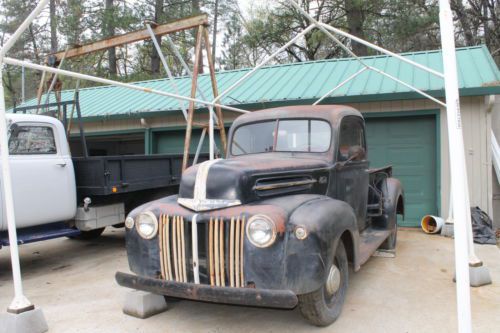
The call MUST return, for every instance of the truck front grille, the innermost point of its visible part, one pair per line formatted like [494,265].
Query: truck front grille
[209,252]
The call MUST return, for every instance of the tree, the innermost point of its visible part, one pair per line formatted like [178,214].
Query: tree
[109,31]
[158,18]
[53,26]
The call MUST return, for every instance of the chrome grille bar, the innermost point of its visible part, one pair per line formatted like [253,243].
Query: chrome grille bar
[194,238]
[224,238]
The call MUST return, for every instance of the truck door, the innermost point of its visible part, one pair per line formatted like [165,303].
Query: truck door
[42,173]
[352,176]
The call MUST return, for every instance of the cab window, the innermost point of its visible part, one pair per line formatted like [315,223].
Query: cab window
[31,140]
[351,138]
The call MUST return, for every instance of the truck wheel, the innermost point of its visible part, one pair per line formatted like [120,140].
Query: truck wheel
[390,242]
[88,235]
[323,306]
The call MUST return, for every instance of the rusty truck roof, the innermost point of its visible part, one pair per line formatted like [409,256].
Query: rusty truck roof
[331,113]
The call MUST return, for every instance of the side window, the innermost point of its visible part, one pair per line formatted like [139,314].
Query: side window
[31,140]
[351,137]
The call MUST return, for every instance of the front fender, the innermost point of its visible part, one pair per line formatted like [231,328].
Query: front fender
[308,261]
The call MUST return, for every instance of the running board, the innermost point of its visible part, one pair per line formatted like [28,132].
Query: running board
[369,241]
[40,233]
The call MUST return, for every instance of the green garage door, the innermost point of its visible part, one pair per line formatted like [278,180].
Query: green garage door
[172,142]
[409,145]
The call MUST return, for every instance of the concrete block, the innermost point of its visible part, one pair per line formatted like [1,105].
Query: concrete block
[447,230]
[141,304]
[32,321]
[478,276]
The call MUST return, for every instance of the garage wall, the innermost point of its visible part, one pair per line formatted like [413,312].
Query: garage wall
[476,125]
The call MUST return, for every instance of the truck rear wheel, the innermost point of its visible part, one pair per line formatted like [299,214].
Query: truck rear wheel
[323,306]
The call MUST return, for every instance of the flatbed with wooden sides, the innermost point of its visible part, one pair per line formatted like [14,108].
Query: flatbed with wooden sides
[58,195]
[275,224]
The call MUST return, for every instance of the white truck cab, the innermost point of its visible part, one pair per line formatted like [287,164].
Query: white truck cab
[43,178]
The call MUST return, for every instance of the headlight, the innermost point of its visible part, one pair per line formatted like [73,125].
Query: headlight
[261,231]
[129,222]
[147,225]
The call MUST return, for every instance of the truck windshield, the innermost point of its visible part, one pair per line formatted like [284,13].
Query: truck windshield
[294,135]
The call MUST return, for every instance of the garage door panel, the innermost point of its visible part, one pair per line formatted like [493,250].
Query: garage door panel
[409,145]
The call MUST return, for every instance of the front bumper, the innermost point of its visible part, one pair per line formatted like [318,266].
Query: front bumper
[283,299]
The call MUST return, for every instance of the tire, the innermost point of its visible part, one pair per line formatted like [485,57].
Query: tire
[88,235]
[320,307]
[390,243]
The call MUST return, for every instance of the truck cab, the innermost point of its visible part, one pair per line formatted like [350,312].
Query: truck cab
[43,180]
[277,223]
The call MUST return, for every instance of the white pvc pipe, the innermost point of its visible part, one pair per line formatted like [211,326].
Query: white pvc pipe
[167,69]
[341,84]
[382,50]
[19,301]
[461,204]
[16,62]
[264,62]
[407,85]
[431,224]
[188,71]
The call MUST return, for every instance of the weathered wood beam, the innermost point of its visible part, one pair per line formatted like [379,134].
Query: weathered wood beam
[159,30]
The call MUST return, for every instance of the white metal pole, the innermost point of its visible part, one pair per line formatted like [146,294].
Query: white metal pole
[341,84]
[20,302]
[167,69]
[265,61]
[23,82]
[380,49]
[461,206]
[17,62]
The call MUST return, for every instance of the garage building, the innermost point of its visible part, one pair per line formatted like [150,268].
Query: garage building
[403,128]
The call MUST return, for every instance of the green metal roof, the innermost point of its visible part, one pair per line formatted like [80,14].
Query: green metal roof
[302,83]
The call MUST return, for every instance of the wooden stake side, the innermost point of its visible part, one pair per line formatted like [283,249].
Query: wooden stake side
[218,111]
[194,81]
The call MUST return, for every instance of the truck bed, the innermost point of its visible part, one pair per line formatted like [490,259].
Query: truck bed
[106,175]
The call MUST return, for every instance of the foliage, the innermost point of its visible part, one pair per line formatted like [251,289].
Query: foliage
[244,37]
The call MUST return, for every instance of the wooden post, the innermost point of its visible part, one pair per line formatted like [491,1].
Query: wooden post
[215,90]
[194,81]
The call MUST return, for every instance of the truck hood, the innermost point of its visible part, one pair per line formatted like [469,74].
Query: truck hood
[239,180]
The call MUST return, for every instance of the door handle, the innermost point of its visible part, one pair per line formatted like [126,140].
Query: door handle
[61,164]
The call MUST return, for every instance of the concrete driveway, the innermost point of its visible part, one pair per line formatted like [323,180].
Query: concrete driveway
[73,282]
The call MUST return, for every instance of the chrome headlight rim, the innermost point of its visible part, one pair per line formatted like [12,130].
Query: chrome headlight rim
[155,225]
[272,225]
[129,222]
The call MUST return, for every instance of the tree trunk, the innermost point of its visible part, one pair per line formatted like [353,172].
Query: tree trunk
[155,58]
[195,5]
[355,21]
[53,27]
[110,32]
[214,33]
[463,18]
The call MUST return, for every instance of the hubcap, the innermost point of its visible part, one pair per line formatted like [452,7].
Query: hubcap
[333,280]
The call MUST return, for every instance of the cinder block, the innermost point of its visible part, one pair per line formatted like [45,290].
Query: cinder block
[478,276]
[447,230]
[32,321]
[141,304]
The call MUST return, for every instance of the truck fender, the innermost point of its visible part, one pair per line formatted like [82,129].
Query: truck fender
[393,201]
[308,260]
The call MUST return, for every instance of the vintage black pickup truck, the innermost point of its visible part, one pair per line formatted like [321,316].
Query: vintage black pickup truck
[277,223]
